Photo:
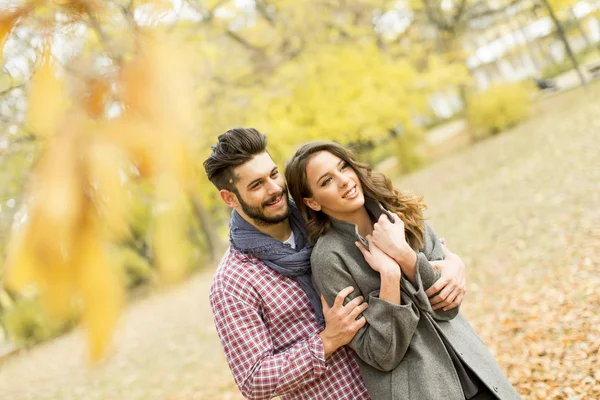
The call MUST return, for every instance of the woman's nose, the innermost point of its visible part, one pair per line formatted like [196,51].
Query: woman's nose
[344,180]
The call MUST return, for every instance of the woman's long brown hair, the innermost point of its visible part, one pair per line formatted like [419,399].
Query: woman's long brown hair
[375,185]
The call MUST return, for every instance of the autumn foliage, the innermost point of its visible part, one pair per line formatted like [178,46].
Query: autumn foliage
[78,196]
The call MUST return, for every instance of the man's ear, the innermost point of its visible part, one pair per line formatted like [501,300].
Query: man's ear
[229,198]
[312,204]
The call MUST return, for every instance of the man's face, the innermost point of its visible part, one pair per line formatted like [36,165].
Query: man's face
[261,191]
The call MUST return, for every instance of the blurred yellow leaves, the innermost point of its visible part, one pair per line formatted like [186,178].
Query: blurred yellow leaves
[80,194]
[48,100]
[8,19]
[168,105]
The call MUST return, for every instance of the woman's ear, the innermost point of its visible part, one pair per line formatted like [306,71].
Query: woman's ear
[312,204]
[229,198]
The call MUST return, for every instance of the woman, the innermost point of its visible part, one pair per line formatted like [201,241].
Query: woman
[371,236]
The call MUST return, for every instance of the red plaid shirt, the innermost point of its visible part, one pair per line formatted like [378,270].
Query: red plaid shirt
[270,336]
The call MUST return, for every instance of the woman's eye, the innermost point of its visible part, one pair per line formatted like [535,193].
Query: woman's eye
[274,174]
[343,167]
[326,181]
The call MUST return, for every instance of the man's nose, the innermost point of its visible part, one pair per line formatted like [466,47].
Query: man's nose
[273,187]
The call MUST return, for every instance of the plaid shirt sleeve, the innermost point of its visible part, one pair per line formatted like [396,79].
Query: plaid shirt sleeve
[258,370]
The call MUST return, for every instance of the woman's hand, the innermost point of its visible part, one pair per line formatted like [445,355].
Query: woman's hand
[388,269]
[390,237]
[378,259]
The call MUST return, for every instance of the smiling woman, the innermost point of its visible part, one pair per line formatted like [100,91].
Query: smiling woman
[372,237]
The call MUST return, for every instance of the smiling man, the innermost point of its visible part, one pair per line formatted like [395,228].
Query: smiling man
[279,337]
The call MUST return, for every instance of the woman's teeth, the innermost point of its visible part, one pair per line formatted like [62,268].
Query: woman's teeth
[351,193]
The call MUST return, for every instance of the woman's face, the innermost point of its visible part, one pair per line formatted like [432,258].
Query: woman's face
[335,186]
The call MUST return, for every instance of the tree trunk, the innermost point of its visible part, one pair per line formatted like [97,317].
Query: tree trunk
[563,38]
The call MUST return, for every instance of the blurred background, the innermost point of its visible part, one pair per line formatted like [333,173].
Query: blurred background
[110,231]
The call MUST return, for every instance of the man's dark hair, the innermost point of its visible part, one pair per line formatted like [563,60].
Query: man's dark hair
[233,148]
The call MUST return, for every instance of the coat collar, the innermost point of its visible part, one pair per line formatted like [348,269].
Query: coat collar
[350,229]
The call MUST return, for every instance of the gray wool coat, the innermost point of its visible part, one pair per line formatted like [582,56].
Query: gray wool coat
[400,350]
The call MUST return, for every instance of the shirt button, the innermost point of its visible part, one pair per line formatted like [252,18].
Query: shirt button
[496,389]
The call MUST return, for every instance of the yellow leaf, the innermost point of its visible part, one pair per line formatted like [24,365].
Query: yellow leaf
[21,265]
[58,200]
[57,286]
[95,97]
[135,136]
[106,163]
[101,291]
[8,20]
[48,100]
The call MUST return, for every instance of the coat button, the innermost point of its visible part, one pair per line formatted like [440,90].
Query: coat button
[496,389]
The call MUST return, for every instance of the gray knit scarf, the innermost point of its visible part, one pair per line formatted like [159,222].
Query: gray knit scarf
[293,263]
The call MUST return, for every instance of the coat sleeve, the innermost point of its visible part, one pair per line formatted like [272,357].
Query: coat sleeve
[426,276]
[259,371]
[384,340]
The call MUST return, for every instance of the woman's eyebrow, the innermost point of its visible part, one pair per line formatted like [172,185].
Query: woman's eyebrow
[326,173]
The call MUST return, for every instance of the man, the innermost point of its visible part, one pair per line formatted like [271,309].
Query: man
[280,338]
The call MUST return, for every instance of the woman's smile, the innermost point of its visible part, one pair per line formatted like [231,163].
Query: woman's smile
[352,193]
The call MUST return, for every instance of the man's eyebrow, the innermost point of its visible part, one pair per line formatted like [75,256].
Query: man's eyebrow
[325,174]
[259,179]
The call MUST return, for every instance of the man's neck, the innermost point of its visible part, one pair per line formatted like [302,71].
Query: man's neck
[280,231]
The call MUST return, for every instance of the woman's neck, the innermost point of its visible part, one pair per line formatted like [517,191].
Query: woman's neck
[362,219]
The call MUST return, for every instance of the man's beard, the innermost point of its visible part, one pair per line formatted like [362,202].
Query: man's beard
[257,214]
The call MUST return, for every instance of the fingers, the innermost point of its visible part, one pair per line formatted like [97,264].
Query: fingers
[341,296]
[444,298]
[437,265]
[358,310]
[383,220]
[360,323]
[366,253]
[437,286]
[443,295]
[452,303]
[354,303]
[448,303]
[443,241]
[456,301]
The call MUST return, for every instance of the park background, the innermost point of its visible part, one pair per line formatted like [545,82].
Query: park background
[110,232]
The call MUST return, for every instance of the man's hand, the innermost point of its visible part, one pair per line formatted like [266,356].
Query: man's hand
[340,320]
[452,283]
